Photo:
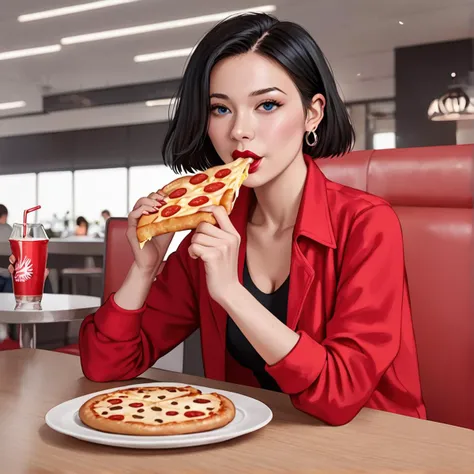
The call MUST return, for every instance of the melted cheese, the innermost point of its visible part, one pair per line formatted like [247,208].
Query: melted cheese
[157,410]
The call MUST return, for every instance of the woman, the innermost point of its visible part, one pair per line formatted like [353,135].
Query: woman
[82,226]
[303,288]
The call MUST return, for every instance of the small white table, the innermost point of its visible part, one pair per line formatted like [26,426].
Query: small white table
[54,308]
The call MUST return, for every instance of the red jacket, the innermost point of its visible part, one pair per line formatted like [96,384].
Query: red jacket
[348,301]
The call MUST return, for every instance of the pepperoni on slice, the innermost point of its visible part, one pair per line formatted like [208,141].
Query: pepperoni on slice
[198,178]
[213,187]
[135,405]
[170,210]
[223,173]
[192,414]
[116,417]
[177,193]
[172,413]
[115,401]
[201,400]
[199,201]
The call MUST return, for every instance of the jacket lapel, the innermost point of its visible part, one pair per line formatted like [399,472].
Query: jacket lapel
[312,228]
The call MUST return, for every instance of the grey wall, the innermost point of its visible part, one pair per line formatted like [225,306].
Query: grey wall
[83,149]
[423,73]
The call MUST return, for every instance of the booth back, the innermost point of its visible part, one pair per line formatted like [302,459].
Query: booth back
[431,191]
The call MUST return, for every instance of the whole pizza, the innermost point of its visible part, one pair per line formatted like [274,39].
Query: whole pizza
[155,411]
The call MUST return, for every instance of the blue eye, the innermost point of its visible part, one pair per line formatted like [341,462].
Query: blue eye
[221,110]
[269,106]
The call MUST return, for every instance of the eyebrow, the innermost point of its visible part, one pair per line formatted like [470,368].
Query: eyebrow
[252,94]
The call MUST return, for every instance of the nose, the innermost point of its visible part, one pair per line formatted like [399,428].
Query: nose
[242,128]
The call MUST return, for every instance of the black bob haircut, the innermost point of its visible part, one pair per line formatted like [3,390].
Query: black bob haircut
[187,146]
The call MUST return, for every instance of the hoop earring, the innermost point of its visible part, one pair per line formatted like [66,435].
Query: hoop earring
[314,140]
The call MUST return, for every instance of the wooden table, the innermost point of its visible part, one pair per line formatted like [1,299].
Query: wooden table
[33,381]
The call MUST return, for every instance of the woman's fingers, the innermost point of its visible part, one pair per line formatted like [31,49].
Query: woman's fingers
[205,240]
[142,210]
[148,201]
[159,195]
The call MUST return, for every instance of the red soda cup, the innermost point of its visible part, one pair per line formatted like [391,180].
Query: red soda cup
[29,245]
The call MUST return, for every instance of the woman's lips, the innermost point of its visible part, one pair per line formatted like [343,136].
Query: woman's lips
[245,154]
[248,154]
[254,166]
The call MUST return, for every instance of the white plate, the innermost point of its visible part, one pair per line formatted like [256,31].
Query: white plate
[251,415]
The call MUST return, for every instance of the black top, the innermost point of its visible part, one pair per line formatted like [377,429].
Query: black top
[238,345]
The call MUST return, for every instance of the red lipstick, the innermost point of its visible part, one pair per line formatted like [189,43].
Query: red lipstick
[245,154]
[248,154]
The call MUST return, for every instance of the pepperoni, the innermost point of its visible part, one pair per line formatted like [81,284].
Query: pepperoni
[115,401]
[198,178]
[116,417]
[201,400]
[223,173]
[172,413]
[172,390]
[177,193]
[170,211]
[213,187]
[192,414]
[199,201]
[135,405]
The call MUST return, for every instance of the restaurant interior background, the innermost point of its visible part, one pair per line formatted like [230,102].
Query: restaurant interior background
[84,109]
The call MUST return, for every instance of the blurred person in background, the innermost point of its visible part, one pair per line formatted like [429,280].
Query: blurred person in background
[5,228]
[5,232]
[105,215]
[82,226]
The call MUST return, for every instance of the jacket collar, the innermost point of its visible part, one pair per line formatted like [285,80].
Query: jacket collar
[314,218]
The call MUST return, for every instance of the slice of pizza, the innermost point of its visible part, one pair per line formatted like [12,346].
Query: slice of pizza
[186,195]
[166,411]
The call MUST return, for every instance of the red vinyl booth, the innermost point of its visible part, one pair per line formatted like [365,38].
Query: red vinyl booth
[431,191]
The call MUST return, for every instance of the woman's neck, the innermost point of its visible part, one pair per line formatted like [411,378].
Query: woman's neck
[278,201]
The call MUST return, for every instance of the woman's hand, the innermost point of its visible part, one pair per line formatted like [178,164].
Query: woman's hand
[149,258]
[218,247]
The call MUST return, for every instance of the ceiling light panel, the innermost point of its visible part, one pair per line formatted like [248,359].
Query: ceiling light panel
[72,9]
[166,25]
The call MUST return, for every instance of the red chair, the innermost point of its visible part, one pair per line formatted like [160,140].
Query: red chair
[118,258]
[431,191]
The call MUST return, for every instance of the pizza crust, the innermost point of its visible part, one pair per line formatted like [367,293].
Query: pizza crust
[218,412]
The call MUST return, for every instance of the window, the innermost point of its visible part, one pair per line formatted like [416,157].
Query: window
[96,190]
[54,196]
[384,140]
[147,179]
[18,192]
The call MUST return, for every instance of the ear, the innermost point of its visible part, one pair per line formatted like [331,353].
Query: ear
[315,112]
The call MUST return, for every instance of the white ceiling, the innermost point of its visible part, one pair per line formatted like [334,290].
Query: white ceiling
[357,36]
